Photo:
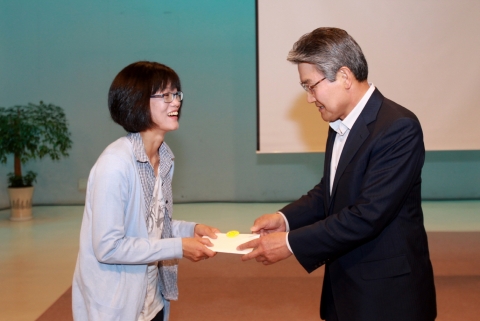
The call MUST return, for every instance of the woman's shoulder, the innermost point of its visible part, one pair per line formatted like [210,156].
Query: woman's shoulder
[121,147]
[118,153]
[115,166]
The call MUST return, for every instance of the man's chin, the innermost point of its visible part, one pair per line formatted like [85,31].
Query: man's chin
[326,118]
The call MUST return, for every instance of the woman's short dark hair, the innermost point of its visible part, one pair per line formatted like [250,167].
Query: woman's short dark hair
[329,49]
[129,94]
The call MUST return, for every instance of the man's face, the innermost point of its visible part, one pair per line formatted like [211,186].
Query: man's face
[330,98]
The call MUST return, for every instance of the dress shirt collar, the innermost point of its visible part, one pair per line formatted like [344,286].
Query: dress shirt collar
[139,150]
[342,126]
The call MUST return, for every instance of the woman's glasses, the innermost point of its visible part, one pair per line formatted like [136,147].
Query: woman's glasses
[169,97]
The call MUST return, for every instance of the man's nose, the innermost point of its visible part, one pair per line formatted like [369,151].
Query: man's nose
[311,98]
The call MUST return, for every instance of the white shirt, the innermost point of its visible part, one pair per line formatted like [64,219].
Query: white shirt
[153,299]
[343,127]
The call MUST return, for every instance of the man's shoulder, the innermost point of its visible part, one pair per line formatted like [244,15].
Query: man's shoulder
[380,109]
[386,108]
[391,109]
[381,113]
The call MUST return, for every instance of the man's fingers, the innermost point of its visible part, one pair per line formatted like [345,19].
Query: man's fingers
[267,223]
[259,224]
[250,255]
[248,245]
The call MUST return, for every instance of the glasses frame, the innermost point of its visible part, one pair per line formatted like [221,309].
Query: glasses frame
[178,96]
[309,89]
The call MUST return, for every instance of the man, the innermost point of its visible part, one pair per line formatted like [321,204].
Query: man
[364,219]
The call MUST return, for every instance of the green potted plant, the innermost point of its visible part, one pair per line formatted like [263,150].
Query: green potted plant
[30,132]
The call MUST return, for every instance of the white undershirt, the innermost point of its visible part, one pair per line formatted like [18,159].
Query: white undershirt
[153,298]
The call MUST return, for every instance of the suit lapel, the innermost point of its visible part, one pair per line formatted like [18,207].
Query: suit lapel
[328,161]
[357,135]
[355,139]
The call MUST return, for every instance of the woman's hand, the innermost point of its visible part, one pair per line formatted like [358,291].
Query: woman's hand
[194,248]
[205,230]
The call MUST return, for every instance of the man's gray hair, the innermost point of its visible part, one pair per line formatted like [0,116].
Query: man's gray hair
[329,49]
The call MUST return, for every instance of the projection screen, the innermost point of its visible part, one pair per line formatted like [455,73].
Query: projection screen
[424,55]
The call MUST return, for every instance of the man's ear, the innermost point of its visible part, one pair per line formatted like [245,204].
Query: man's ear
[346,76]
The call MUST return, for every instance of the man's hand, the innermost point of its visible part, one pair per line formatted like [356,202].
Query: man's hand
[269,223]
[267,249]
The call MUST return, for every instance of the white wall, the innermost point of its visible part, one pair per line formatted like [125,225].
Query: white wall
[423,55]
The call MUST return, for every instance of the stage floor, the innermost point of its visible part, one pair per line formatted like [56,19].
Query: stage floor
[37,257]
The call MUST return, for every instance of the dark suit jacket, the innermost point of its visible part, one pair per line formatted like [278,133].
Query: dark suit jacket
[369,232]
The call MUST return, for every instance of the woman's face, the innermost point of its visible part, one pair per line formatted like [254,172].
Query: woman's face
[165,115]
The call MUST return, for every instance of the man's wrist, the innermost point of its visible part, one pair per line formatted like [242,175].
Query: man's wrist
[288,244]
[287,229]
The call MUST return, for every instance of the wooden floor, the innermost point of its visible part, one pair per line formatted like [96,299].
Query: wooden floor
[37,259]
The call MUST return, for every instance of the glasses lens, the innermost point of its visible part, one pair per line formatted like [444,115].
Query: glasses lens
[168,98]
[180,95]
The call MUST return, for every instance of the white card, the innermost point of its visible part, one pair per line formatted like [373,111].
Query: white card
[226,244]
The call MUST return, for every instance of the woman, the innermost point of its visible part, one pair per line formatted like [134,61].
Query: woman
[126,267]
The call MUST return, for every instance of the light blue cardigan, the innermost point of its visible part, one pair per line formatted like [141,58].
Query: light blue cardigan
[110,277]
